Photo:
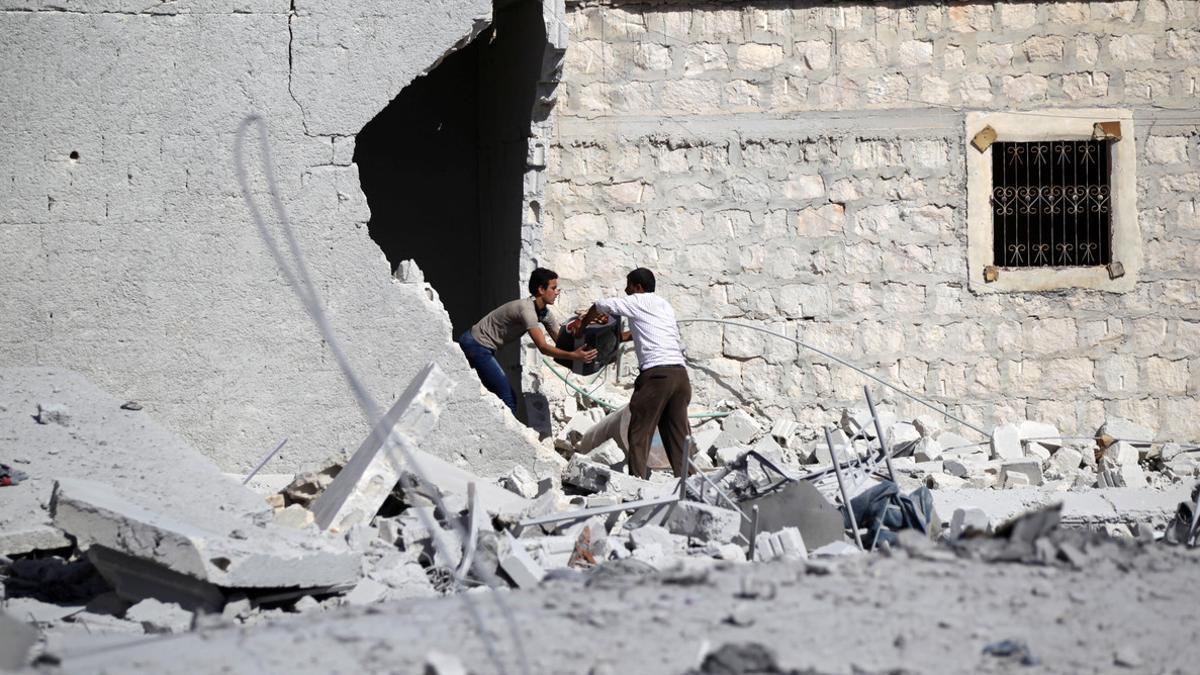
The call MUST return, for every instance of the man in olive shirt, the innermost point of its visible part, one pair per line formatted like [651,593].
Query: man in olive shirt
[509,322]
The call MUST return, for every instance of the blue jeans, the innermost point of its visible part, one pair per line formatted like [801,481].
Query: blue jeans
[483,360]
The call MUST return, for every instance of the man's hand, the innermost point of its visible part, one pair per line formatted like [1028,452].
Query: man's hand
[584,354]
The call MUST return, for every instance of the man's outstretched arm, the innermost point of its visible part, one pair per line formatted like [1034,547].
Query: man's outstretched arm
[582,354]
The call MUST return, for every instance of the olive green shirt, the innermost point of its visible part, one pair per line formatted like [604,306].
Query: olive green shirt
[510,321]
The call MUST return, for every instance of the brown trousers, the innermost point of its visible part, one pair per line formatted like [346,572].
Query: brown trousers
[660,400]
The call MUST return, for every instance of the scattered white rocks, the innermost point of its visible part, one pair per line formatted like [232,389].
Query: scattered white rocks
[1006,442]
[160,617]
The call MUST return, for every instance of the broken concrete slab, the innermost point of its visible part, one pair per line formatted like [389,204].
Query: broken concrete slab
[198,556]
[1065,459]
[127,450]
[592,477]
[1045,435]
[360,488]
[1122,453]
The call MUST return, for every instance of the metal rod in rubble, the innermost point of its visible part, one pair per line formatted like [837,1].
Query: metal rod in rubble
[837,470]
[753,530]
[887,452]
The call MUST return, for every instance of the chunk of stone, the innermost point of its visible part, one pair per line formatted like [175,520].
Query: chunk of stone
[520,481]
[727,456]
[1066,459]
[705,439]
[927,450]
[53,413]
[968,520]
[517,563]
[307,486]
[1170,451]
[593,477]
[737,428]
[902,432]
[704,522]
[368,478]
[1131,475]
[1031,469]
[160,617]
[1006,442]
[608,453]
[927,426]
[782,430]
[1122,453]
[944,481]
[1124,430]
[1037,451]
[835,549]
[294,516]
[368,591]
[651,536]
[855,422]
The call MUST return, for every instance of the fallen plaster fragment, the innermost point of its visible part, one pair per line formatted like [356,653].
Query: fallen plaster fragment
[174,551]
[361,487]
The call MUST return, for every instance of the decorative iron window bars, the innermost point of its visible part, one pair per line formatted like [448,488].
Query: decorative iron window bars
[1051,204]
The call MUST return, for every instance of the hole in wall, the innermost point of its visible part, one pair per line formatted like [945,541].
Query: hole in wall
[442,166]
[74,155]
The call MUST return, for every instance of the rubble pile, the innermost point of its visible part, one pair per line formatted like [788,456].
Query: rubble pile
[128,532]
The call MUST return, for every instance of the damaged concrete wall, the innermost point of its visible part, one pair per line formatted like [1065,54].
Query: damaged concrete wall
[125,249]
[803,165]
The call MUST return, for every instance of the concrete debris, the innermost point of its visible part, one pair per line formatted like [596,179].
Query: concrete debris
[609,454]
[294,516]
[704,522]
[967,521]
[53,413]
[1124,430]
[186,561]
[1030,469]
[517,564]
[160,617]
[366,481]
[737,428]
[1006,442]
[1122,453]
[786,544]
[927,426]
[306,487]
[520,481]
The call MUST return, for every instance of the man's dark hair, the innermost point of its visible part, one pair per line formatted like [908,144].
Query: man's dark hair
[641,277]
[540,278]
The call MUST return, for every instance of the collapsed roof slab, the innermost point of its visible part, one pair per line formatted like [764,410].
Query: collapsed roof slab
[221,551]
[140,478]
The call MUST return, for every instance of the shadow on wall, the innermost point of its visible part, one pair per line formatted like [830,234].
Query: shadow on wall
[443,165]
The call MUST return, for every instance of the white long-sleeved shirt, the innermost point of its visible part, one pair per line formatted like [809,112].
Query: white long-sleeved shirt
[652,321]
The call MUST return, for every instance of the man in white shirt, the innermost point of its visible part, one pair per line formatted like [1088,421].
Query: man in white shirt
[662,391]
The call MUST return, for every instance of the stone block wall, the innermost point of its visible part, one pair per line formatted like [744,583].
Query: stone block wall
[801,166]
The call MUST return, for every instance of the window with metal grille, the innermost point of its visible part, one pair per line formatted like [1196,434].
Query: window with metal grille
[1051,204]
